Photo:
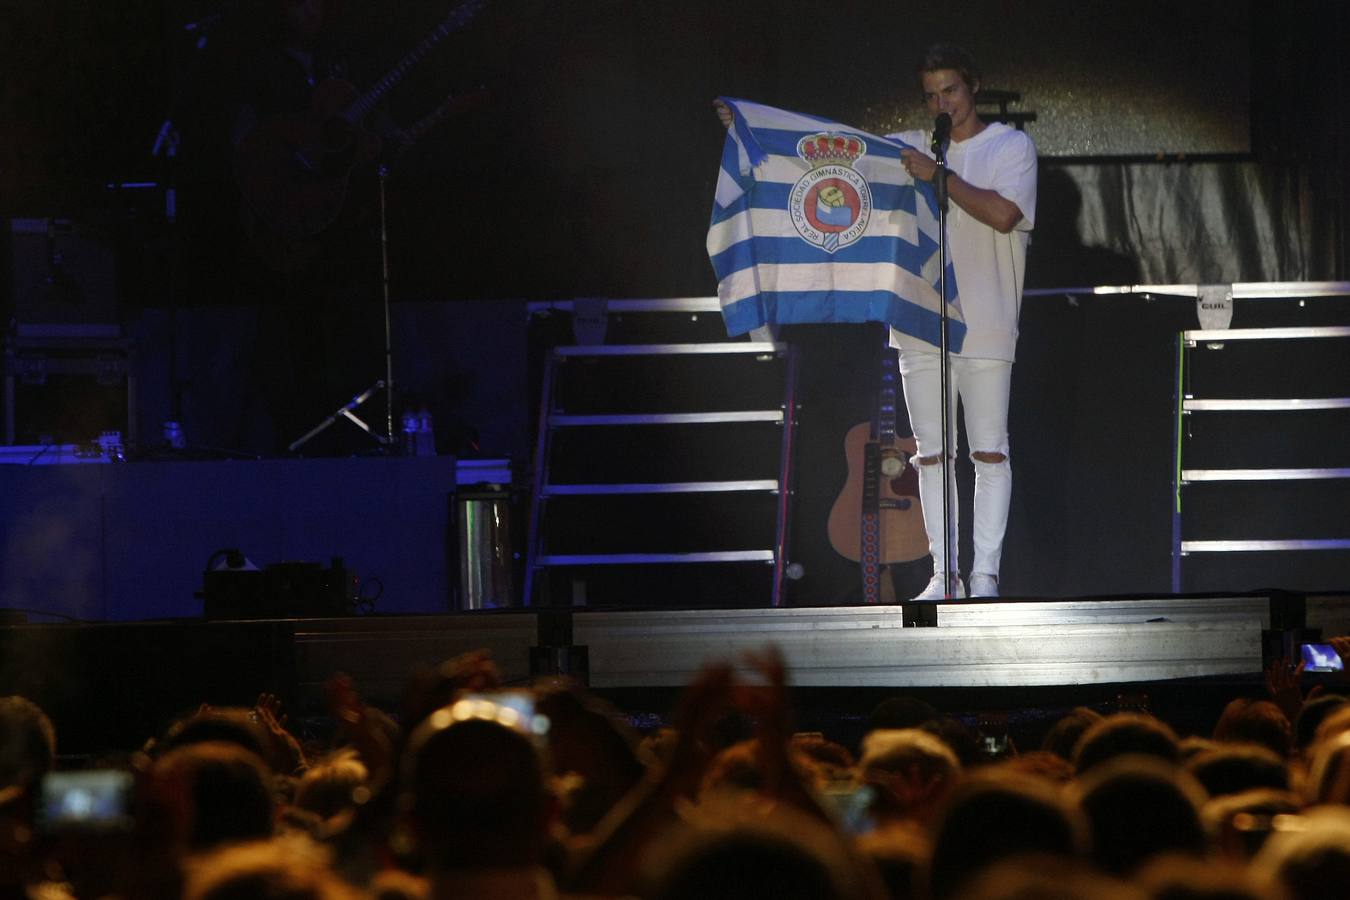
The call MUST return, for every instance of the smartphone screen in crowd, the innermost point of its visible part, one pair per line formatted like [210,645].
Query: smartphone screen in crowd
[1321,658]
[98,800]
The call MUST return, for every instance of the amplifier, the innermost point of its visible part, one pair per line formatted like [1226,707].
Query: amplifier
[68,390]
[63,280]
[279,591]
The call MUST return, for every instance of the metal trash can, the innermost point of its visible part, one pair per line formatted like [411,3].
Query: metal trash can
[487,555]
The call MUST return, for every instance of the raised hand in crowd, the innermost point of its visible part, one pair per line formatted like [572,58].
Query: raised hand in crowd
[592,752]
[767,705]
[1284,680]
[1284,683]
[268,713]
[245,727]
[1342,646]
[354,721]
[625,836]
[429,690]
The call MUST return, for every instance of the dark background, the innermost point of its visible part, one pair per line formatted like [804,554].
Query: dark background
[1181,143]
[588,171]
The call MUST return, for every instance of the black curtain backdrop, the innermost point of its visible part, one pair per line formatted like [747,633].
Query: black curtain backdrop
[1198,142]
[1180,143]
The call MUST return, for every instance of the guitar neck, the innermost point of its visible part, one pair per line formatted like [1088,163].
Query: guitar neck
[452,104]
[458,17]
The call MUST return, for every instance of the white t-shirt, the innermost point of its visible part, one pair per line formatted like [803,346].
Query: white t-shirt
[989,266]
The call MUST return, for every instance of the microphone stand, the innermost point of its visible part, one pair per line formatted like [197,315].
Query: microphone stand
[386,384]
[940,189]
[167,143]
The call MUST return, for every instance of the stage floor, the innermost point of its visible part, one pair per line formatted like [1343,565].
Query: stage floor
[111,685]
[975,644]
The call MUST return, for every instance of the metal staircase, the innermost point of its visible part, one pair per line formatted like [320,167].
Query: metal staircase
[1301,454]
[655,457]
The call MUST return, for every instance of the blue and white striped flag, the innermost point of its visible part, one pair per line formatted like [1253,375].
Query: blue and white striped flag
[815,221]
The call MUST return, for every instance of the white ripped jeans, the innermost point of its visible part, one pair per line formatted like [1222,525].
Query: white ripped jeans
[983,387]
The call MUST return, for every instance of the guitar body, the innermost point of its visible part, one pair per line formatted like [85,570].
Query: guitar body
[902,537]
[275,252]
[293,169]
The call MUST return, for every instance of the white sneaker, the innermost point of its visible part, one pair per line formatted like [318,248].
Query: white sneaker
[937,588]
[983,585]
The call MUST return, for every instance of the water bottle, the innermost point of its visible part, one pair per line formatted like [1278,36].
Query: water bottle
[426,439]
[409,433]
[174,436]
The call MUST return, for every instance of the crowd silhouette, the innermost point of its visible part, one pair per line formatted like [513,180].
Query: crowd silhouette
[473,790]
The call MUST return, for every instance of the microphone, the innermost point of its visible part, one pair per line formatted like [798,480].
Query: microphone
[942,132]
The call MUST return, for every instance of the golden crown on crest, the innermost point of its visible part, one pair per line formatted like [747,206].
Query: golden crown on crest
[825,149]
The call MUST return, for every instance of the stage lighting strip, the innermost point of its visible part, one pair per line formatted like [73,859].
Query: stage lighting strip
[1291,404]
[757,347]
[1188,475]
[752,415]
[1262,546]
[620,559]
[1223,335]
[669,487]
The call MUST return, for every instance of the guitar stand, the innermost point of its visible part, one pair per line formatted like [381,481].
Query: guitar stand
[346,411]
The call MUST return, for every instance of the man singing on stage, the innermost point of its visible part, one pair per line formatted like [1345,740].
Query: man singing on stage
[992,185]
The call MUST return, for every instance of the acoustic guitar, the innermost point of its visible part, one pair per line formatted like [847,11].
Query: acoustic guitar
[876,519]
[293,170]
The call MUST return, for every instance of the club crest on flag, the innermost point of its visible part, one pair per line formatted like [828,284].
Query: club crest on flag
[831,204]
[793,191]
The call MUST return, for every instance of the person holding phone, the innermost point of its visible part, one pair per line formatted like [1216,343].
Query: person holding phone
[1321,658]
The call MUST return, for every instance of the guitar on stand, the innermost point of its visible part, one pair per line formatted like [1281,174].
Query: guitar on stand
[876,520]
[293,170]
